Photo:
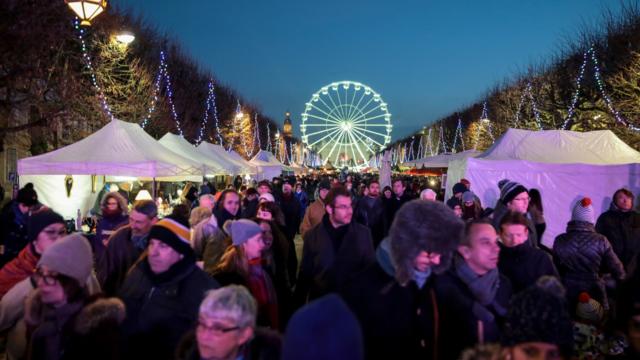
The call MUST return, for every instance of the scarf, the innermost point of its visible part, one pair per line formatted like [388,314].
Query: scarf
[483,288]
[421,277]
[18,269]
[335,234]
[140,242]
[19,217]
[263,291]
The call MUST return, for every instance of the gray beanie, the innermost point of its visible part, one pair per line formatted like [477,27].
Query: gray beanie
[468,196]
[70,256]
[241,230]
[583,211]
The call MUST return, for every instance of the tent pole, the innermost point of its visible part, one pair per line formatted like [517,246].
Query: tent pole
[154,188]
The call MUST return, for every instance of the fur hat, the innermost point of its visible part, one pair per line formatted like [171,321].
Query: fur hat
[589,309]
[583,211]
[539,314]
[423,226]
[70,256]
[241,230]
[459,188]
[174,233]
[40,220]
[323,329]
[510,190]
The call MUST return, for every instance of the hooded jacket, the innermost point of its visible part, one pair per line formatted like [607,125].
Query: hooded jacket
[622,229]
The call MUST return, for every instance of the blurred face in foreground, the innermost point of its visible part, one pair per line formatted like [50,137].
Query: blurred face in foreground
[341,212]
[513,234]
[535,351]
[220,337]
[161,256]
[374,189]
[425,260]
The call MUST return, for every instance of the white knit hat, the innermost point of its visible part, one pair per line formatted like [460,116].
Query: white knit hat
[583,211]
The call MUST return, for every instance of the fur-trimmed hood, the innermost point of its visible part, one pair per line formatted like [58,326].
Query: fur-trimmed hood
[423,226]
[122,202]
[98,313]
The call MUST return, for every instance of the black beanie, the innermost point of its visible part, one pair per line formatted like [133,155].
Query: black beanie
[510,190]
[40,220]
[27,196]
[174,233]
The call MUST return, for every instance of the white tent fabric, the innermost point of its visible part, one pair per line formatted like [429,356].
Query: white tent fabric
[441,160]
[223,157]
[267,164]
[119,148]
[248,168]
[182,147]
[563,165]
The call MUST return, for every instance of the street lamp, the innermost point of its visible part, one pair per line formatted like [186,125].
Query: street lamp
[87,10]
[125,38]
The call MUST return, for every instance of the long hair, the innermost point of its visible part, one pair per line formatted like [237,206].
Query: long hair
[536,199]
[223,196]
[235,260]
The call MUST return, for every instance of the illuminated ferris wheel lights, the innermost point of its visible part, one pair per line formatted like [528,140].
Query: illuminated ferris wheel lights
[367,91]
[346,86]
[324,90]
[334,87]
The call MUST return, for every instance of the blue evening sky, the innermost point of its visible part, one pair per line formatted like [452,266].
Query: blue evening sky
[426,58]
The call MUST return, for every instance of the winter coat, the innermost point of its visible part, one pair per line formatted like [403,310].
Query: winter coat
[107,226]
[313,216]
[391,206]
[265,345]
[369,213]
[161,308]
[398,322]
[303,200]
[13,232]
[324,268]
[622,229]
[249,209]
[459,322]
[18,269]
[118,258]
[582,255]
[524,265]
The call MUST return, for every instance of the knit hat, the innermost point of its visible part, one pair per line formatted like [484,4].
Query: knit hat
[267,197]
[172,232]
[40,220]
[510,190]
[589,309]
[459,188]
[323,329]
[468,196]
[539,314]
[583,211]
[324,184]
[502,182]
[241,230]
[465,182]
[27,196]
[70,256]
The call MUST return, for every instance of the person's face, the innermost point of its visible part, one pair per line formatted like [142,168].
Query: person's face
[387,194]
[457,209]
[349,186]
[623,202]
[520,203]
[254,246]
[220,338]
[48,236]
[263,189]
[206,202]
[341,213]
[535,351]
[286,188]
[374,190]
[298,188]
[51,290]
[469,203]
[264,214]
[425,260]
[231,203]
[514,234]
[140,223]
[267,235]
[23,208]
[482,254]
[161,256]
[398,188]
[323,193]
[112,204]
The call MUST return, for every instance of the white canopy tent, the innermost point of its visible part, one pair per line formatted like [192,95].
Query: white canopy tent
[118,149]
[441,160]
[267,164]
[223,157]
[563,165]
[181,146]
[242,162]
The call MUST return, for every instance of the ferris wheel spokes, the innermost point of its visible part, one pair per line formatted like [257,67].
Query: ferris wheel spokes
[330,117]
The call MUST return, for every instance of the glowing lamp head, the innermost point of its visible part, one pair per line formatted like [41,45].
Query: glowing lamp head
[485,120]
[87,10]
[143,195]
[125,38]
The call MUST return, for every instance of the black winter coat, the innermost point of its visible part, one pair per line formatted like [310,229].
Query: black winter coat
[13,232]
[622,229]
[581,255]
[523,265]
[370,212]
[391,207]
[398,322]
[324,269]
[161,308]
[460,325]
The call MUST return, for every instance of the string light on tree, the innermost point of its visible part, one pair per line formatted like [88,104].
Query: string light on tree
[256,131]
[458,134]
[156,91]
[441,141]
[576,94]
[430,143]
[484,119]
[528,93]
[205,118]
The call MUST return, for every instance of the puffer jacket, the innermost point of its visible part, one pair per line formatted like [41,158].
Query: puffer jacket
[622,229]
[581,256]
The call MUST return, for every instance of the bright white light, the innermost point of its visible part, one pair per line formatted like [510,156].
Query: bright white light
[125,38]
[432,182]
[143,195]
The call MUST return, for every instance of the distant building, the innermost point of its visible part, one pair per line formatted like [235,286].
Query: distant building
[287,131]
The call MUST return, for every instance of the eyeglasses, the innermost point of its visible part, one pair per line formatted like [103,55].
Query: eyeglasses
[217,328]
[342,207]
[54,233]
[47,278]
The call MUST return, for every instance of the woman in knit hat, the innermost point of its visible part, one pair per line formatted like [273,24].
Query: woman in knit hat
[582,256]
[241,264]
[43,229]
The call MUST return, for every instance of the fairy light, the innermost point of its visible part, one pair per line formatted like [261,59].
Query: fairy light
[268,148]
[156,91]
[205,118]
[576,94]
[442,141]
[528,93]
[458,134]
[430,143]
[256,131]
[89,65]
[420,149]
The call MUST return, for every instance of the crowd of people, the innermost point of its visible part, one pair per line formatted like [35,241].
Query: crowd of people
[393,272]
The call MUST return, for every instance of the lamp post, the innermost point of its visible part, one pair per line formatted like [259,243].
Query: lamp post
[125,38]
[86,10]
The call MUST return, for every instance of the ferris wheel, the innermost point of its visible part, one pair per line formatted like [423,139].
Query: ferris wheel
[346,122]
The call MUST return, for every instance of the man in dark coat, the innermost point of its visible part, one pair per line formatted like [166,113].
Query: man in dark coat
[621,225]
[290,207]
[125,246]
[475,293]
[394,299]
[521,263]
[162,293]
[583,256]
[333,251]
[391,206]
[13,223]
[370,212]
